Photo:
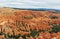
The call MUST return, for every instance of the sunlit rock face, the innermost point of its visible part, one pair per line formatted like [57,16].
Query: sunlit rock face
[28,24]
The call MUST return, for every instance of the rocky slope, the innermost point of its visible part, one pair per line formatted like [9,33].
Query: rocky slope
[28,24]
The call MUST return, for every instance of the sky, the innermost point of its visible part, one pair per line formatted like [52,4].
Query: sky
[55,4]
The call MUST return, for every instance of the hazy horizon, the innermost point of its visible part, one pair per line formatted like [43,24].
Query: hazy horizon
[55,4]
